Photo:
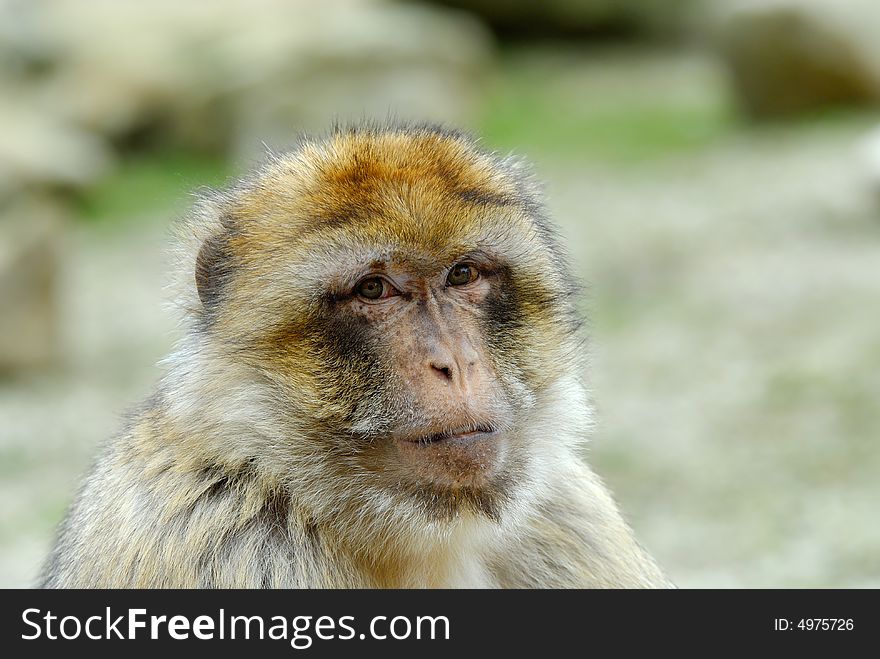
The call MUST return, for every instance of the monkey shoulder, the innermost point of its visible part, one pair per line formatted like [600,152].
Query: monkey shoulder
[146,518]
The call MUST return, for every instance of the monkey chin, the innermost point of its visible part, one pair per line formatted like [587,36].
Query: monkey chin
[466,460]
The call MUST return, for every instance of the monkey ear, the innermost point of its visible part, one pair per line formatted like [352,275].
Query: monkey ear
[212,269]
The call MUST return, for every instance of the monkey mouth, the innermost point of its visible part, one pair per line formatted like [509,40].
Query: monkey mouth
[462,457]
[460,434]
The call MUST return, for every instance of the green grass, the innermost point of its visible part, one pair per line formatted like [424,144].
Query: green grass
[618,134]
[568,106]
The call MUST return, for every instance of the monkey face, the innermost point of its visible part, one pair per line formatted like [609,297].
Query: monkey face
[444,411]
[407,303]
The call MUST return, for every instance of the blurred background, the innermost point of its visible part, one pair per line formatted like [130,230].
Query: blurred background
[714,166]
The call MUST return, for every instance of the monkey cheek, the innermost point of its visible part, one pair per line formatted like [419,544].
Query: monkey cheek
[470,461]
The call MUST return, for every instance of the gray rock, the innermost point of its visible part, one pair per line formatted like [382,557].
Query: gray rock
[789,56]
[40,150]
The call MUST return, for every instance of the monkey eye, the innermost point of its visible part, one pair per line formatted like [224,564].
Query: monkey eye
[462,274]
[374,288]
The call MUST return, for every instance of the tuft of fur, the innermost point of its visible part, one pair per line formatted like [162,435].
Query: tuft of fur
[257,463]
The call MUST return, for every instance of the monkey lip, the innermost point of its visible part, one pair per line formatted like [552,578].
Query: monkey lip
[456,435]
[461,457]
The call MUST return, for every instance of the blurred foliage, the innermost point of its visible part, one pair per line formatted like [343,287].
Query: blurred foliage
[607,106]
[565,102]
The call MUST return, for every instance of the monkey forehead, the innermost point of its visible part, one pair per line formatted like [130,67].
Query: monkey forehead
[421,197]
[406,185]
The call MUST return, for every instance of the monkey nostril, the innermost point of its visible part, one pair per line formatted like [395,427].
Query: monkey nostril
[444,371]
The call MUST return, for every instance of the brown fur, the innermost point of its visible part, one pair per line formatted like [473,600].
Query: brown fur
[264,458]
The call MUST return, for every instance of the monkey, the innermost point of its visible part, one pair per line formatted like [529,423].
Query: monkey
[379,385]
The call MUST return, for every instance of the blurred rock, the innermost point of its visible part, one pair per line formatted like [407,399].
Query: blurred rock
[29,252]
[581,17]
[42,151]
[788,56]
[239,72]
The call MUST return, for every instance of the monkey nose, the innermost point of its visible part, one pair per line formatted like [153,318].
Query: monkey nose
[456,373]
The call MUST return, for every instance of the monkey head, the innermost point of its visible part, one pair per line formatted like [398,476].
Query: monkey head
[395,321]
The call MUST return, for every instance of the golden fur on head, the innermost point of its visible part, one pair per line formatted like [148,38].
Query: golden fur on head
[263,453]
